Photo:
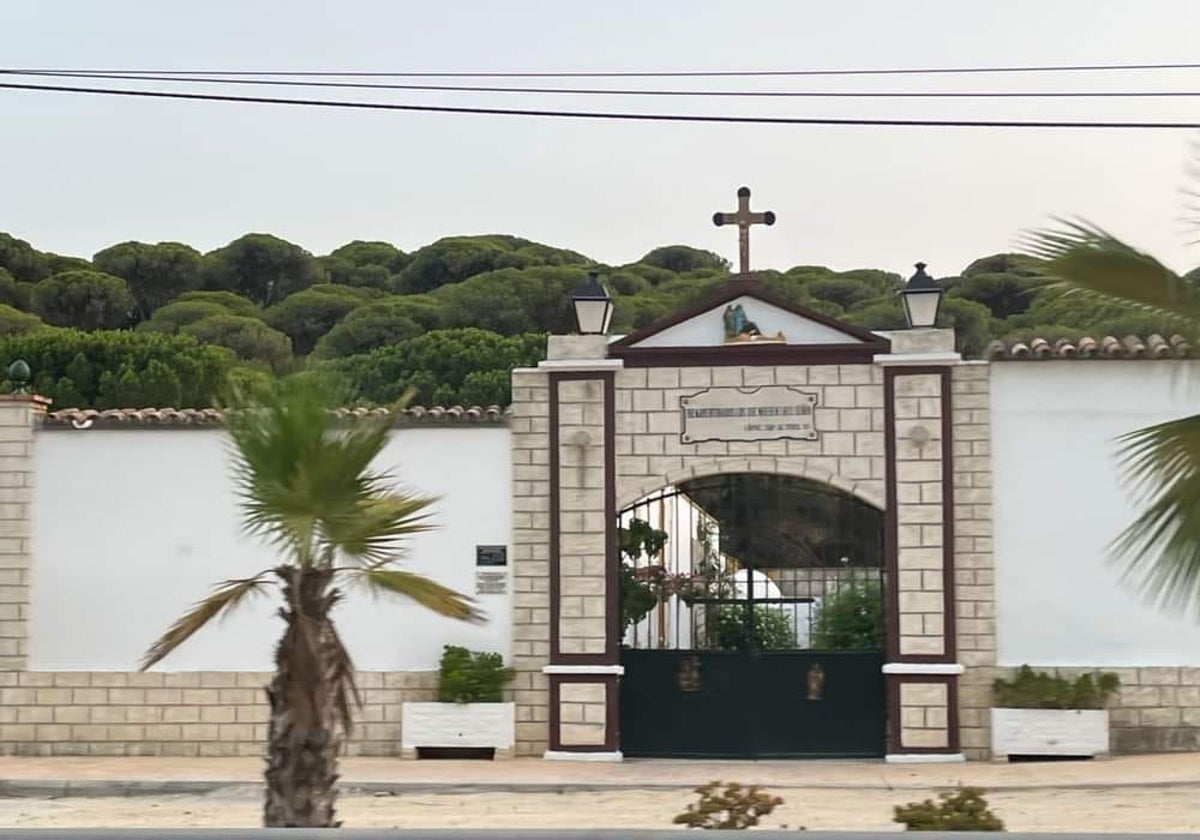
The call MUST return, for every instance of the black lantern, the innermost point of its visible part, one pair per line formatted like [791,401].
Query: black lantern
[593,306]
[921,297]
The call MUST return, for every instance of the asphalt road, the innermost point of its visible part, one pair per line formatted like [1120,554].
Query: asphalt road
[505,834]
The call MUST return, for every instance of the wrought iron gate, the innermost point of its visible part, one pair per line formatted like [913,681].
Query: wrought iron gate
[753,613]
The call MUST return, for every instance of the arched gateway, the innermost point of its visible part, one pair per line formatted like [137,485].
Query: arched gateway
[796,441]
[771,433]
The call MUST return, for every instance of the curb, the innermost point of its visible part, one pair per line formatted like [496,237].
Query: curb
[107,788]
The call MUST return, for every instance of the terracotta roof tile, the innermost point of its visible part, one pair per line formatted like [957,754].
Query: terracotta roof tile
[1104,347]
[86,418]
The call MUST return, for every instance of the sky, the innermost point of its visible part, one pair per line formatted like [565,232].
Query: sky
[84,172]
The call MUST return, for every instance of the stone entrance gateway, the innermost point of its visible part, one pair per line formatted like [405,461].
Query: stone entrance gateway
[740,383]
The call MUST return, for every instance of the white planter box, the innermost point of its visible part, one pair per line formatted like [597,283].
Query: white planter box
[458,725]
[1081,732]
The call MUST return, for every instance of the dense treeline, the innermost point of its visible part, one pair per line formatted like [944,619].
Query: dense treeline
[163,324]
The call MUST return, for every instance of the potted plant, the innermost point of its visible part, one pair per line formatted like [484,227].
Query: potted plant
[470,718]
[1040,714]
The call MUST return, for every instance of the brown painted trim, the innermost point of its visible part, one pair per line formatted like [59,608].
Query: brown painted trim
[747,285]
[949,652]
[891,554]
[612,560]
[611,655]
[953,740]
[750,355]
[612,735]
[555,525]
[950,619]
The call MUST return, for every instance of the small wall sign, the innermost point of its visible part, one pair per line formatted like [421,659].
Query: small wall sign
[491,583]
[491,555]
[772,412]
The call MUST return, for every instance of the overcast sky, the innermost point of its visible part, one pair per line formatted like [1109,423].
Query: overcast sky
[83,172]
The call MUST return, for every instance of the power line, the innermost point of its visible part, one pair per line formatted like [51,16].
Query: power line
[604,115]
[1068,94]
[644,74]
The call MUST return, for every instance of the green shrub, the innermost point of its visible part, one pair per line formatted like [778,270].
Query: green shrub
[735,807]
[1030,689]
[850,619]
[961,810]
[466,676]
[772,629]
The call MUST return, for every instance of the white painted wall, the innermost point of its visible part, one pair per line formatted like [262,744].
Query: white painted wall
[1058,504]
[708,328]
[133,526]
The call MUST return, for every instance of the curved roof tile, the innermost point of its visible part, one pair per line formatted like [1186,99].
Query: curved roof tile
[1103,347]
[86,418]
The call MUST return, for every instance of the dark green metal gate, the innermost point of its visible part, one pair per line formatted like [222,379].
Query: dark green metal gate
[751,704]
[757,630]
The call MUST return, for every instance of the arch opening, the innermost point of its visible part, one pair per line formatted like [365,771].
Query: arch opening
[753,593]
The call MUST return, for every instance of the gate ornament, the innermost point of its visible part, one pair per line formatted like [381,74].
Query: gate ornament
[687,675]
[816,681]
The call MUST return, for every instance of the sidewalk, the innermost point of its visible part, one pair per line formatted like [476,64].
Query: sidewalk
[161,776]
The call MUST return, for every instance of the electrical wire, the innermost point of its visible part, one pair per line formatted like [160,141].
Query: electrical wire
[622,91]
[647,74]
[603,115]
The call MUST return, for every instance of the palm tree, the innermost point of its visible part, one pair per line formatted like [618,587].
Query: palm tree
[308,488]
[1161,463]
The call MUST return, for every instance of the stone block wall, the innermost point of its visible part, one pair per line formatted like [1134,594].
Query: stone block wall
[848,415]
[18,415]
[193,713]
[582,713]
[582,529]
[924,718]
[920,534]
[529,425]
[975,591]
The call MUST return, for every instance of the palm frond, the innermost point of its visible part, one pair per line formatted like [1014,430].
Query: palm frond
[1161,548]
[1090,259]
[295,471]
[426,592]
[372,532]
[227,596]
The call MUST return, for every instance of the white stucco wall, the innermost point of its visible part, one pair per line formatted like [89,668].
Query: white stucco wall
[133,526]
[1058,504]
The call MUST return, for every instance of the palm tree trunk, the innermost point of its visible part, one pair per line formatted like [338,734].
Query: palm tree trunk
[303,737]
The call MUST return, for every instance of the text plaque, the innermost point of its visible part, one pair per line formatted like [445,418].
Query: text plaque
[491,583]
[772,412]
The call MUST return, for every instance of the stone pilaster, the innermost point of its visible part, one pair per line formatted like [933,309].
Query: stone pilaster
[583,664]
[922,669]
[19,415]
[531,557]
[973,559]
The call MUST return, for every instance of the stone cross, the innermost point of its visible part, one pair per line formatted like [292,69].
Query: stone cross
[743,218]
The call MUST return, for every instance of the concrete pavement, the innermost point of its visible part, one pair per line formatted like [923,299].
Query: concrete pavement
[158,776]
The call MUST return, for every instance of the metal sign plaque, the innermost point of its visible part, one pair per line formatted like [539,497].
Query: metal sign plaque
[772,412]
[491,583]
[491,555]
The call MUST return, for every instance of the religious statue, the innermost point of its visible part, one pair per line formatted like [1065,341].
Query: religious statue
[741,330]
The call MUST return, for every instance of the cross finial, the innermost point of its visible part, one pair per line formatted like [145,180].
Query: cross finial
[743,218]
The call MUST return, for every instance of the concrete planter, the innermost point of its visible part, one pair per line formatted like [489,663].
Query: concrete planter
[1054,732]
[458,725]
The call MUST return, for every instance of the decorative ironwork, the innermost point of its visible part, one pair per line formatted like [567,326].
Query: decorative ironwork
[763,632]
[687,674]
[816,681]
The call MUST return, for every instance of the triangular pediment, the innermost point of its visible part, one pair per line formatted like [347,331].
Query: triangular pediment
[741,321]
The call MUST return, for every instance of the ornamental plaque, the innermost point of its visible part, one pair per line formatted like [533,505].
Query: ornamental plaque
[772,412]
